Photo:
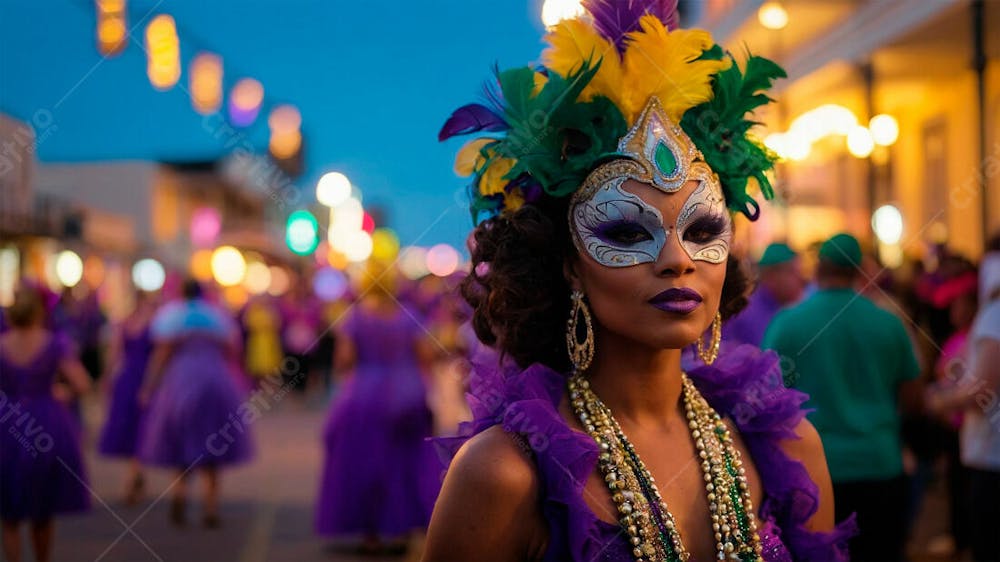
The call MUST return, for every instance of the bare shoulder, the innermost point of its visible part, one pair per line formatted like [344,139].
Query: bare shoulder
[495,459]
[808,450]
[488,508]
[807,443]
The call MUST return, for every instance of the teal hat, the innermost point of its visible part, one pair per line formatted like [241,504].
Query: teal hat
[776,254]
[841,249]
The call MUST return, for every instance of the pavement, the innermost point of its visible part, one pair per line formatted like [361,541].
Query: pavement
[267,505]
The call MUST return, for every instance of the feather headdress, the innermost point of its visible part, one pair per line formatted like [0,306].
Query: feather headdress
[549,127]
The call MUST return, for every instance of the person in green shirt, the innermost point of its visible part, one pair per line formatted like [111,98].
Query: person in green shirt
[853,359]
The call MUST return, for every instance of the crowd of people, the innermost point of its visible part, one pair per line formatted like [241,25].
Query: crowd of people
[179,387]
[902,392]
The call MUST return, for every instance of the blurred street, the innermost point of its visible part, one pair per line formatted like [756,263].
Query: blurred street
[267,511]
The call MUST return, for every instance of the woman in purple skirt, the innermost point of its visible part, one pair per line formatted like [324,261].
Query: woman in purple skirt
[41,469]
[131,349]
[197,417]
[379,478]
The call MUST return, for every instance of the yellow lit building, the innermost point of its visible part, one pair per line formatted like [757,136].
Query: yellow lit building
[922,62]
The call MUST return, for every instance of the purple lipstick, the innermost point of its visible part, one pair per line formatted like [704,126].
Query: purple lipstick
[680,301]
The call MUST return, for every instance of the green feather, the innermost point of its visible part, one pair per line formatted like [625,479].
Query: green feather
[552,137]
[719,128]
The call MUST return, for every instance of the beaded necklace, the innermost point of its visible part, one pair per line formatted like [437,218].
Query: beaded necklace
[651,528]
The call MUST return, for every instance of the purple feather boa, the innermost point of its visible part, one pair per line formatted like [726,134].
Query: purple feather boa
[744,384]
[614,19]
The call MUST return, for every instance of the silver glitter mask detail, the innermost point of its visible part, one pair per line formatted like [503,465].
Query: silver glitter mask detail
[705,209]
[618,228]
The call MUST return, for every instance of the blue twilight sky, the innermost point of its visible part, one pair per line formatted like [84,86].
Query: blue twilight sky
[373,80]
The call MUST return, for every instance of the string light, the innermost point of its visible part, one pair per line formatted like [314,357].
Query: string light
[163,52]
[111,27]
[244,102]
[206,83]
[286,138]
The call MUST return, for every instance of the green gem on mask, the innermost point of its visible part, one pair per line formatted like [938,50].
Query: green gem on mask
[665,159]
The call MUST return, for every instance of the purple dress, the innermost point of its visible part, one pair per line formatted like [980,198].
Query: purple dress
[119,438]
[380,474]
[41,470]
[744,384]
[198,416]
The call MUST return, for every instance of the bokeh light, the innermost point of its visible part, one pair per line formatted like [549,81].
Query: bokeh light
[413,262]
[280,281]
[69,268]
[442,260]
[385,244]
[860,142]
[205,226]
[10,272]
[163,52]
[235,296]
[258,279]
[93,271]
[368,223]
[148,275]
[286,138]
[201,265]
[228,266]
[111,27]
[772,15]
[336,259]
[357,246]
[887,222]
[333,189]
[205,82]
[329,284]
[244,102]
[300,232]
[884,129]
[554,11]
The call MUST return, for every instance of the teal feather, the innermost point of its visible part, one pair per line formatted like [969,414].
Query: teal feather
[720,127]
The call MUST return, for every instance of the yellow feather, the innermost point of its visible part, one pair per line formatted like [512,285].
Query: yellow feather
[492,181]
[514,200]
[540,81]
[468,158]
[662,63]
[571,42]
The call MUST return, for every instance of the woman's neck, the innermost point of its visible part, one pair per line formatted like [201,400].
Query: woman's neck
[640,385]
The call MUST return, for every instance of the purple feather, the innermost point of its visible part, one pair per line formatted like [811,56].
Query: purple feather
[470,119]
[614,19]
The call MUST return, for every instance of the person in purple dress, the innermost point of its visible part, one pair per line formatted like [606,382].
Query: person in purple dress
[131,348]
[380,474]
[605,186]
[780,283]
[197,417]
[41,469]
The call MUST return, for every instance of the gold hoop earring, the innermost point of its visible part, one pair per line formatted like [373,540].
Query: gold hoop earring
[580,353]
[709,355]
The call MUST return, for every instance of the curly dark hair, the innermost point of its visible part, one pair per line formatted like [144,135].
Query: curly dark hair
[517,290]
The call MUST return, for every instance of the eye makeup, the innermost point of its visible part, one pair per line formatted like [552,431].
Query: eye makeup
[618,228]
[704,227]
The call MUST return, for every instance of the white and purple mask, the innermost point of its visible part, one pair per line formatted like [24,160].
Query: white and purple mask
[619,229]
